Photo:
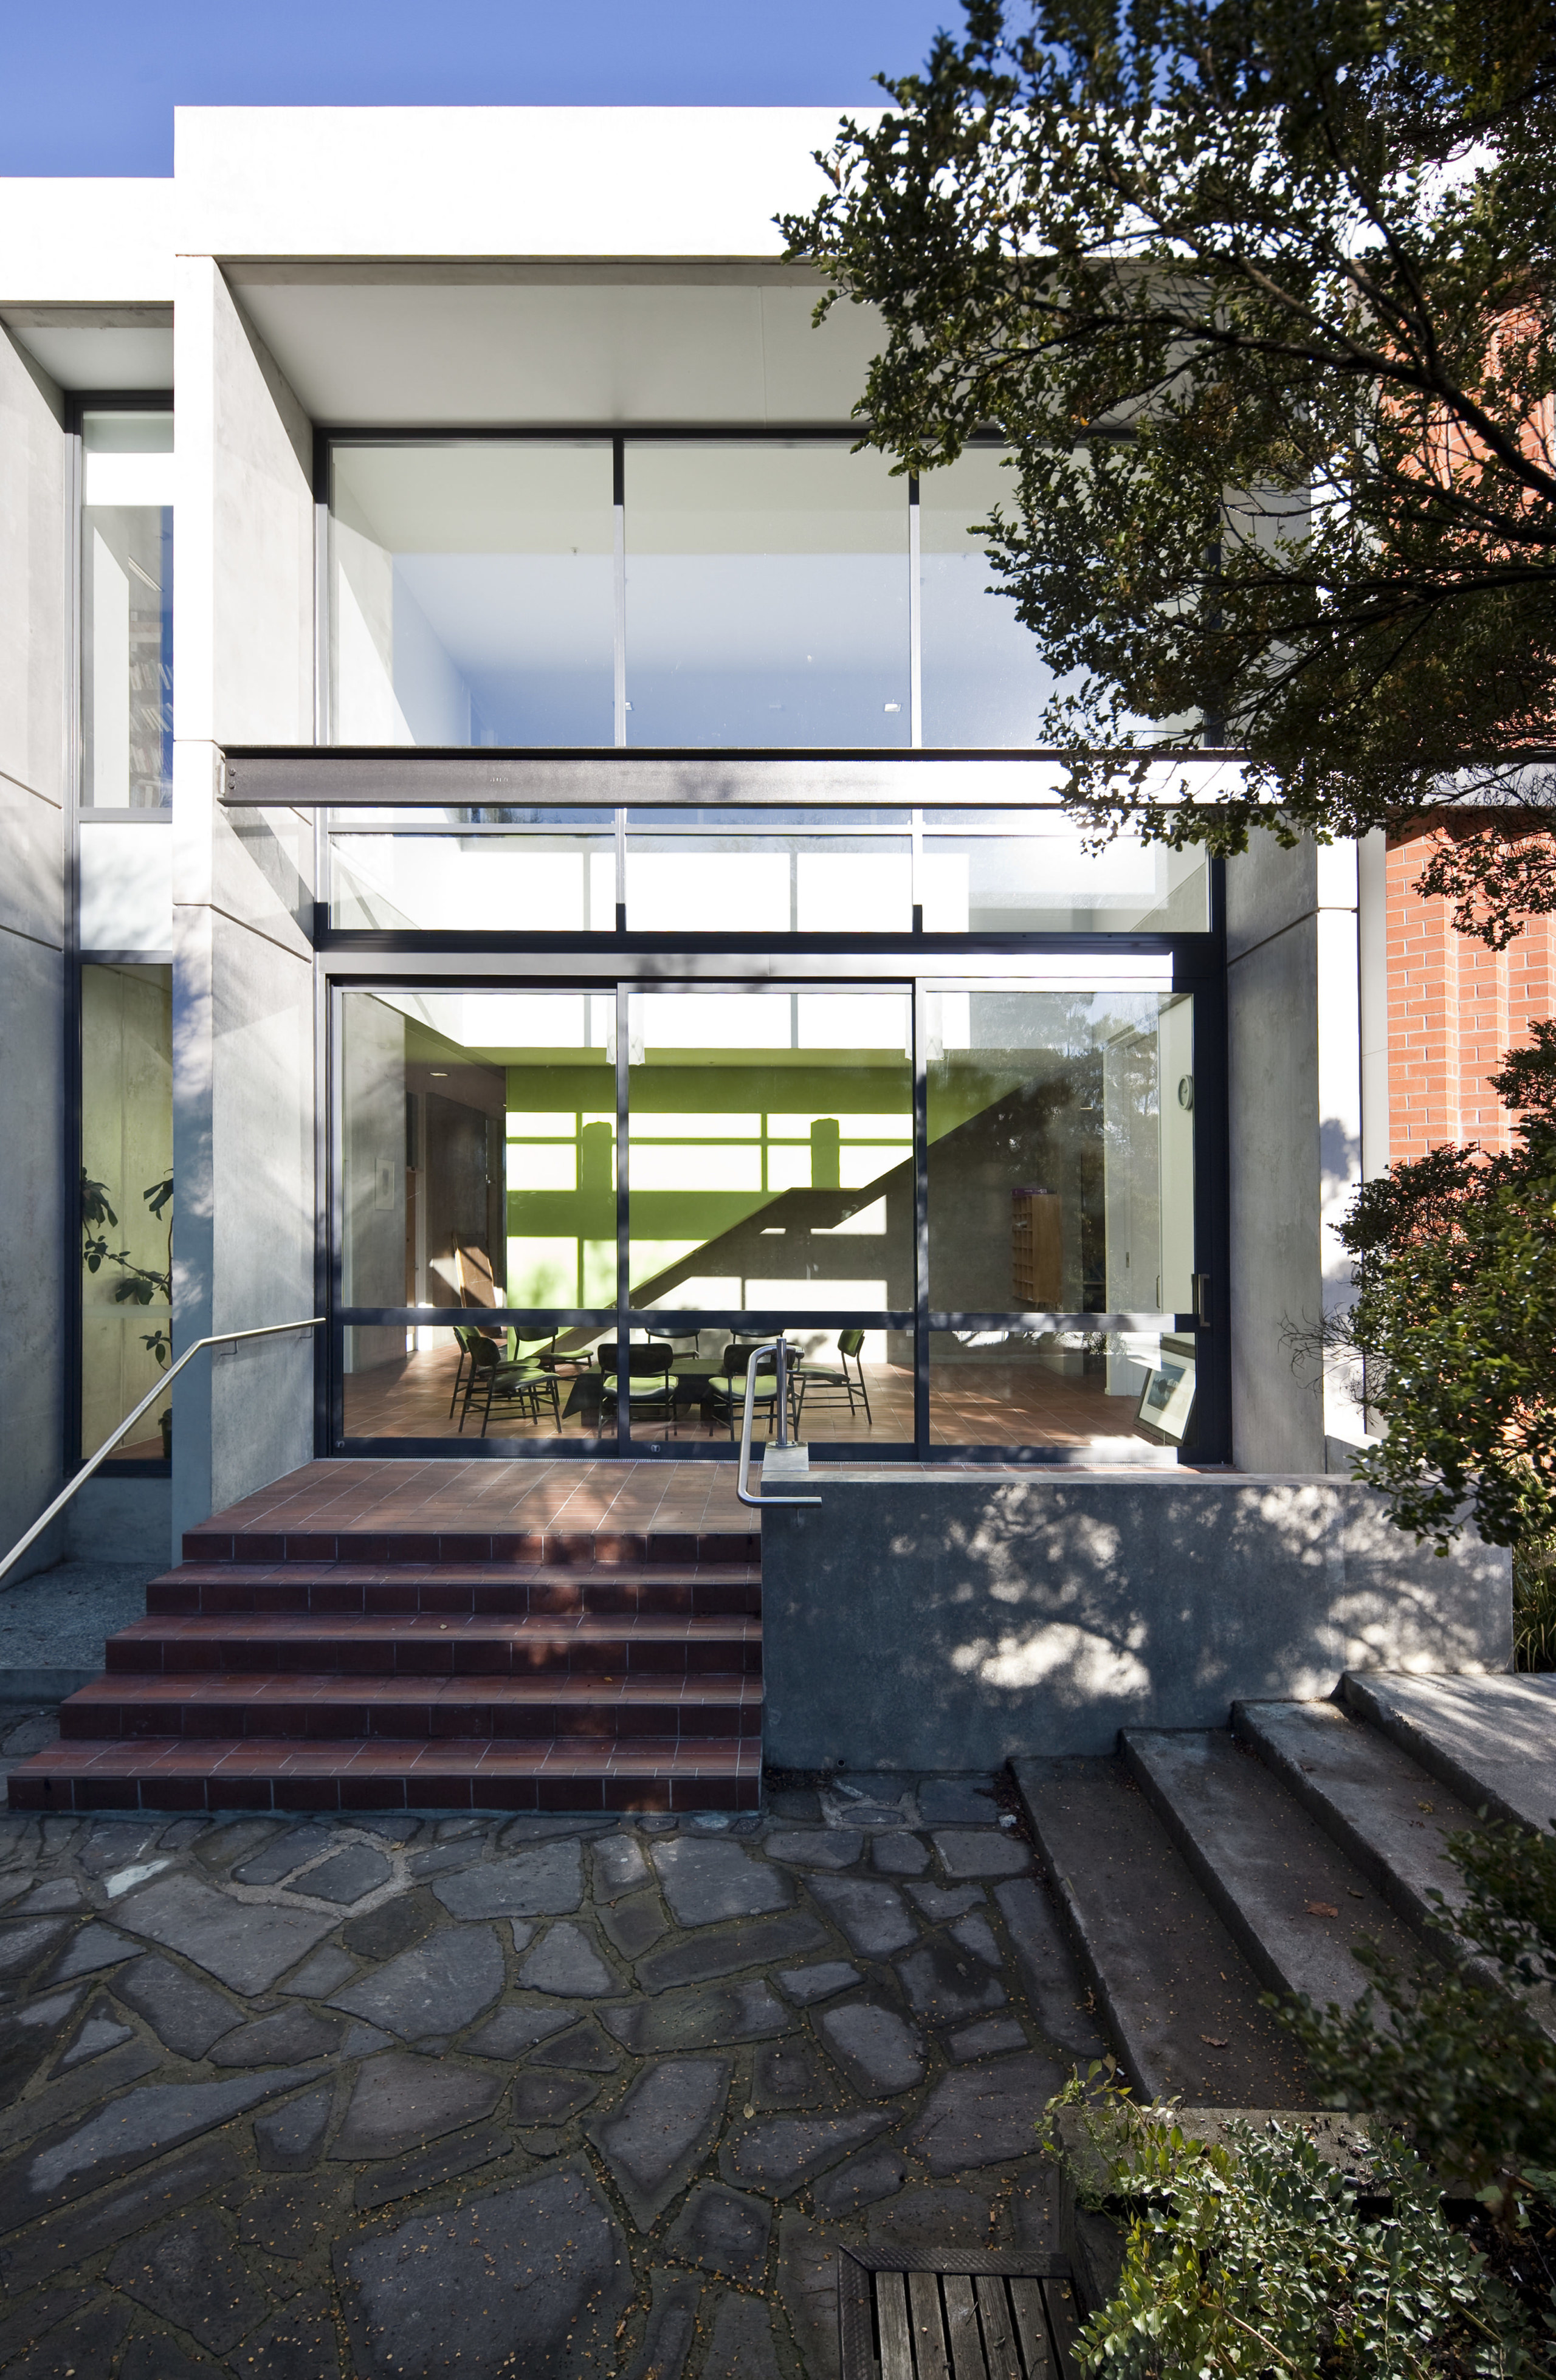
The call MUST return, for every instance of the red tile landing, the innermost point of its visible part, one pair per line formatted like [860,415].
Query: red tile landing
[436,1636]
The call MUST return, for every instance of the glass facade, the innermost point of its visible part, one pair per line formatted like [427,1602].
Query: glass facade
[739,594]
[126,610]
[767,596]
[473,592]
[126,1201]
[743,1089]
[695,1166]
[768,872]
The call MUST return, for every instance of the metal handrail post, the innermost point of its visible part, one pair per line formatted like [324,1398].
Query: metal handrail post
[743,1475]
[216,1339]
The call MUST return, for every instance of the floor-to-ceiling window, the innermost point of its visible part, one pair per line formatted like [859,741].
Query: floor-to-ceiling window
[909,1073]
[121,1005]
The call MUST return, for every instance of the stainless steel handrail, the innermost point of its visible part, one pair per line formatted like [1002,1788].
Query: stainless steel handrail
[217,1338]
[743,1477]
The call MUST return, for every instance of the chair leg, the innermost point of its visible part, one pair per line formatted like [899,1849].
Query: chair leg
[864,1393]
[458,1375]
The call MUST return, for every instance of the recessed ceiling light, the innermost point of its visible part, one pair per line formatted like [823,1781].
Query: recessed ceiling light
[440,1074]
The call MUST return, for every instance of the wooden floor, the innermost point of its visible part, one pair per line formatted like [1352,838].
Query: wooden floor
[970,1404]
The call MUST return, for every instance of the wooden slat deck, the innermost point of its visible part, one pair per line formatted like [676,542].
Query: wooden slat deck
[965,2315]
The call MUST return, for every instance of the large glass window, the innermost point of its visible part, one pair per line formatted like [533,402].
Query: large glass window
[565,1213]
[766,596]
[773,1152]
[127,1202]
[526,871]
[985,681]
[1031,872]
[747,592]
[1061,1182]
[768,872]
[473,593]
[126,610]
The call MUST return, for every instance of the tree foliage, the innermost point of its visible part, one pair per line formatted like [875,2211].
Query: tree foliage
[1455,1319]
[1258,293]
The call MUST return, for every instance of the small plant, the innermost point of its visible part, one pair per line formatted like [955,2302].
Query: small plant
[1468,2067]
[1533,1604]
[1255,2256]
[138,1284]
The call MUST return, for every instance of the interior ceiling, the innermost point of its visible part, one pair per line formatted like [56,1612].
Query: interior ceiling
[460,352]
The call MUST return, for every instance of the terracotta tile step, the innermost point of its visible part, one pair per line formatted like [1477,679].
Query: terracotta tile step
[531,1709]
[563,1546]
[709,1590]
[451,1774]
[418,1644]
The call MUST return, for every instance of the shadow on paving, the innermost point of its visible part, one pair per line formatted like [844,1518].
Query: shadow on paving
[537,2096]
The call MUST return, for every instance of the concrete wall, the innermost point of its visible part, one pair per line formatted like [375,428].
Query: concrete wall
[959,1621]
[119,1521]
[34,748]
[1294,1102]
[243,985]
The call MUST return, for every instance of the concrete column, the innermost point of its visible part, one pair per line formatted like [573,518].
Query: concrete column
[243,982]
[1295,1073]
[35,745]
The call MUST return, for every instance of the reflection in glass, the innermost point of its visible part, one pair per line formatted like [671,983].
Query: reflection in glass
[748,873]
[126,1204]
[126,610]
[985,681]
[772,1152]
[996,1388]
[766,596]
[537,872]
[476,1170]
[472,593]
[1030,873]
[1061,1164]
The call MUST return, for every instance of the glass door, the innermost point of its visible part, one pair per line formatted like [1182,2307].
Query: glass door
[770,1158]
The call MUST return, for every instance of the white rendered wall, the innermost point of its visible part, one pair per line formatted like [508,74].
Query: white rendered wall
[97,241]
[494,181]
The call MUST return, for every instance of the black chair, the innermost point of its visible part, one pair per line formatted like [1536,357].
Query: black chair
[496,1381]
[725,1392]
[648,1365]
[836,1385]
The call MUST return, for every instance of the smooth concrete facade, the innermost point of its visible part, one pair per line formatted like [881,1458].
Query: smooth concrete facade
[961,1620]
[1294,1145]
[244,1106]
[36,588]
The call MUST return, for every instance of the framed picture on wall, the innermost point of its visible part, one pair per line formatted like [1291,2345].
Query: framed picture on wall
[1166,1404]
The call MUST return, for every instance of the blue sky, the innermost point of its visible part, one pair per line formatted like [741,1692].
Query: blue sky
[90,88]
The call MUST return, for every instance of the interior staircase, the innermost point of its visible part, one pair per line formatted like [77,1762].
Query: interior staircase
[1198,1871]
[373,1670]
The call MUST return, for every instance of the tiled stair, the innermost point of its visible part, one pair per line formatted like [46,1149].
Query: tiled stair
[584,1672]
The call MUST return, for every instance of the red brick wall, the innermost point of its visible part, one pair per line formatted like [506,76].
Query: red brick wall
[1455,1008]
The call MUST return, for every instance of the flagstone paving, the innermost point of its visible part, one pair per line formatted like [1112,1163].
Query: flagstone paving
[534,2096]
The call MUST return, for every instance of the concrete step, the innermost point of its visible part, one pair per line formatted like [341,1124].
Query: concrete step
[532,1709]
[623,1590]
[1296,1904]
[1490,1740]
[1179,1998]
[1388,1815]
[421,1646]
[448,1773]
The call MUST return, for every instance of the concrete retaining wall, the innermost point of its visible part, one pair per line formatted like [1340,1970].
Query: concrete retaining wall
[917,1622]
